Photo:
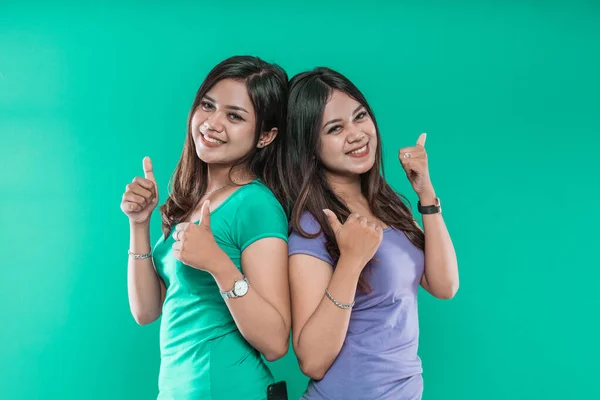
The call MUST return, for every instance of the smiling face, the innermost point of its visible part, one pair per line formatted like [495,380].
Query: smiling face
[224,124]
[348,138]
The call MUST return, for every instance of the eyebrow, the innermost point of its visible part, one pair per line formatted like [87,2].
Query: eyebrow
[230,107]
[357,109]
[332,121]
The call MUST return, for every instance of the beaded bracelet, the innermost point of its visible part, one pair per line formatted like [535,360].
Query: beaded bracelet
[337,303]
[139,256]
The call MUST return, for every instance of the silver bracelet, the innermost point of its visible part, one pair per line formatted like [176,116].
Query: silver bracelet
[139,256]
[337,303]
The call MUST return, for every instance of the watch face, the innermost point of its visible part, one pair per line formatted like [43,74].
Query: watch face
[240,288]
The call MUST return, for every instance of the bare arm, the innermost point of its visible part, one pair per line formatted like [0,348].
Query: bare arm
[263,315]
[320,326]
[441,266]
[145,289]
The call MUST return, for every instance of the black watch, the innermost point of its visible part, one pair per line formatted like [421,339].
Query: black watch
[434,209]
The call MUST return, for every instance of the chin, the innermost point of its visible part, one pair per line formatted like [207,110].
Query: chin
[362,168]
[207,156]
[361,171]
[217,156]
[353,171]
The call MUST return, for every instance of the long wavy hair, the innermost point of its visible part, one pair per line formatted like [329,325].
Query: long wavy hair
[310,191]
[267,88]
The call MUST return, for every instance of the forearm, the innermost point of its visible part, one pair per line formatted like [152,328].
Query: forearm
[143,284]
[441,266]
[323,335]
[261,324]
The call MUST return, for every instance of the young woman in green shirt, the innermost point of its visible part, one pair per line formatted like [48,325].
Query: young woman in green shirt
[218,275]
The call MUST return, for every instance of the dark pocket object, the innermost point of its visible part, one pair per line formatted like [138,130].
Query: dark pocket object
[277,391]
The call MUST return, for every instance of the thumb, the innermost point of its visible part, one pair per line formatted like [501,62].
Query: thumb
[148,171]
[205,214]
[333,220]
[421,140]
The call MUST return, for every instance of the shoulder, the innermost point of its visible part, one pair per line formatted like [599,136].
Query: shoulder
[312,246]
[256,214]
[256,197]
[309,224]
[256,191]
[256,204]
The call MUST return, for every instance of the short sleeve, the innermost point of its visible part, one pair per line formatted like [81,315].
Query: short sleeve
[259,216]
[315,247]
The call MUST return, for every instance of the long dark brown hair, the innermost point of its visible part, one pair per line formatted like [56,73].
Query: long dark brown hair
[267,88]
[310,191]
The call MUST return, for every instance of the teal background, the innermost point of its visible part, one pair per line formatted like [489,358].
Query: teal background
[508,91]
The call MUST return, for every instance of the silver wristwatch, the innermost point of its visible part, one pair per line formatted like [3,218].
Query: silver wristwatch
[240,288]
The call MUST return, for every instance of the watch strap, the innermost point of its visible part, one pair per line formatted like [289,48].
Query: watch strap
[431,209]
[230,294]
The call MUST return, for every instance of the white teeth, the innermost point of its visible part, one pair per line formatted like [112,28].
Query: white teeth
[217,141]
[359,150]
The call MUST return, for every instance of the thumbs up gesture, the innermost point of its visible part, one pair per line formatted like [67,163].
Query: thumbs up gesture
[195,244]
[141,196]
[358,239]
[414,162]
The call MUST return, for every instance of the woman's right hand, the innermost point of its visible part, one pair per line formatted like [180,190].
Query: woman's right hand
[358,239]
[141,196]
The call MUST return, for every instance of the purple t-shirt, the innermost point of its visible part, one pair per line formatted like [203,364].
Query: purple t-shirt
[378,359]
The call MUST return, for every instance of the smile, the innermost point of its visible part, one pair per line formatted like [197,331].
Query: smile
[211,141]
[361,152]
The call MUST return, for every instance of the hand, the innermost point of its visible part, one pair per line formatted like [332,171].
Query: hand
[141,196]
[414,162]
[357,238]
[195,245]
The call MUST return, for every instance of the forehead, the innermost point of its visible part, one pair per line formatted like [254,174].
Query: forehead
[339,105]
[231,92]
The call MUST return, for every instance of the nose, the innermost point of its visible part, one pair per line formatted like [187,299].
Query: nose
[213,122]
[355,135]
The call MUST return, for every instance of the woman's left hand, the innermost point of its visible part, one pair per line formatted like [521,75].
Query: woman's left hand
[414,162]
[195,244]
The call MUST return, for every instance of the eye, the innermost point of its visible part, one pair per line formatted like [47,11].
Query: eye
[334,129]
[361,115]
[235,117]
[206,106]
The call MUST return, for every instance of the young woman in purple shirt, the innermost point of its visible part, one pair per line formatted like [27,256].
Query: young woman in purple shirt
[357,256]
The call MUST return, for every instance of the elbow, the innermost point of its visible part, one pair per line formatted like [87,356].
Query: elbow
[312,370]
[313,364]
[276,352]
[448,292]
[142,318]
[313,367]
[314,374]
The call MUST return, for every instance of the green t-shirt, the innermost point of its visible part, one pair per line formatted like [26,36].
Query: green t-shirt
[203,354]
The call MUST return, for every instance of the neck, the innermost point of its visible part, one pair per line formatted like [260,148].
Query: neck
[347,187]
[219,174]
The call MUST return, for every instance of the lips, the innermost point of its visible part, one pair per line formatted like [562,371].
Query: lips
[212,140]
[209,140]
[359,151]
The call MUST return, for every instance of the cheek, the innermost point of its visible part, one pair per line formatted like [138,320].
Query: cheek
[374,141]
[198,117]
[370,129]
[369,126]
[331,150]
[241,135]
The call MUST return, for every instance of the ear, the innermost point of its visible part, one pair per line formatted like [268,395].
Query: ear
[266,138]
